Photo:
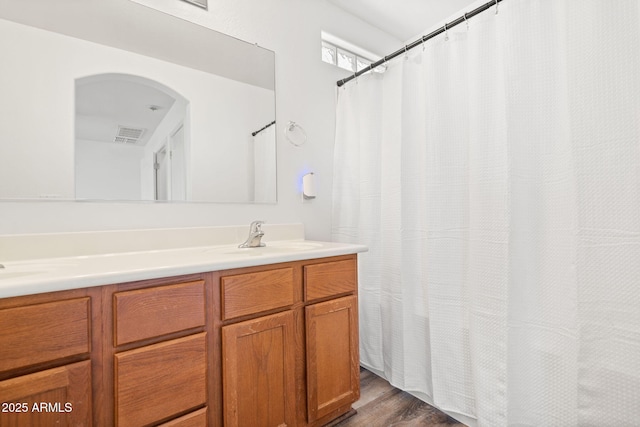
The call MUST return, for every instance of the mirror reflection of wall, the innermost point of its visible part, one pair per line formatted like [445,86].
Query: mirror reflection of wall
[58,128]
[264,161]
[120,121]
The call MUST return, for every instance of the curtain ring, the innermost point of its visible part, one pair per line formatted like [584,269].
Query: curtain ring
[465,21]
[496,7]
[424,43]
[446,32]
[405,52]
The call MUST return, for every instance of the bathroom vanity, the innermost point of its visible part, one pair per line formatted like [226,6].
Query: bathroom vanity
[250,337]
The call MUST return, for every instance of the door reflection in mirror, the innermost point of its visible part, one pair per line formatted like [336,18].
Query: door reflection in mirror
[160,166]
[178,164]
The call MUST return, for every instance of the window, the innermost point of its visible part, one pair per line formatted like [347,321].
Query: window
[361,64]
[345,55]
[346,60]
[329,53]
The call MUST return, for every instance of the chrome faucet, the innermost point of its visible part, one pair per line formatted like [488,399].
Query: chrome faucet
[255,236]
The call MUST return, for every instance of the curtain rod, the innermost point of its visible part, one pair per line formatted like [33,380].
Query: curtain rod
[261,129]
[422,39]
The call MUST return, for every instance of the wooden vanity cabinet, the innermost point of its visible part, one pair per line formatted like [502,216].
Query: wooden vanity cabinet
[45,359]
[258,348]
[272,345]
[159,352]
[331,336]
[289,343]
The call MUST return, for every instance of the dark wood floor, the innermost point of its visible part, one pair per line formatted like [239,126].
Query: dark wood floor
[382,405]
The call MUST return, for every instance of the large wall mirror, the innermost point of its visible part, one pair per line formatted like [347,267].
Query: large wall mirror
[111,100]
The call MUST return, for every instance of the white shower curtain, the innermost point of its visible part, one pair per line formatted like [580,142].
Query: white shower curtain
[495,177]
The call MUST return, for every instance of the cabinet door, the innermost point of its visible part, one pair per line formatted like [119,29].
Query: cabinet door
[258,371]
[333,374]
[55,397]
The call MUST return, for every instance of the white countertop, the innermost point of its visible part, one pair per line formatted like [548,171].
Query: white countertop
[32,276]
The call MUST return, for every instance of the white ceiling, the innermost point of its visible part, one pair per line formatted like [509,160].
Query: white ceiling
[104,104]
[403,19]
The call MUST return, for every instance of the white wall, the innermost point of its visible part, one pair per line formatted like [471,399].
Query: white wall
[107,171]
[305,94]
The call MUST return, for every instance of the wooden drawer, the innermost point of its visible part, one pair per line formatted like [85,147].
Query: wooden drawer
[55,397]
[152,312]
[250,293]
[194,419]
[330,278]
[159,381]
[44,332]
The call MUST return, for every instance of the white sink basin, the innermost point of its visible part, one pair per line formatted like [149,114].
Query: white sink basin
[265,250]
[297,246]
[21,269]
[13,274]
[241,251]
[270,248]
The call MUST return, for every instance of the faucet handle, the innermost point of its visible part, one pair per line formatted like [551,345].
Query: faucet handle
[256,226]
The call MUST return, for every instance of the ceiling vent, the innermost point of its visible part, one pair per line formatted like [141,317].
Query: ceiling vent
[128,135]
